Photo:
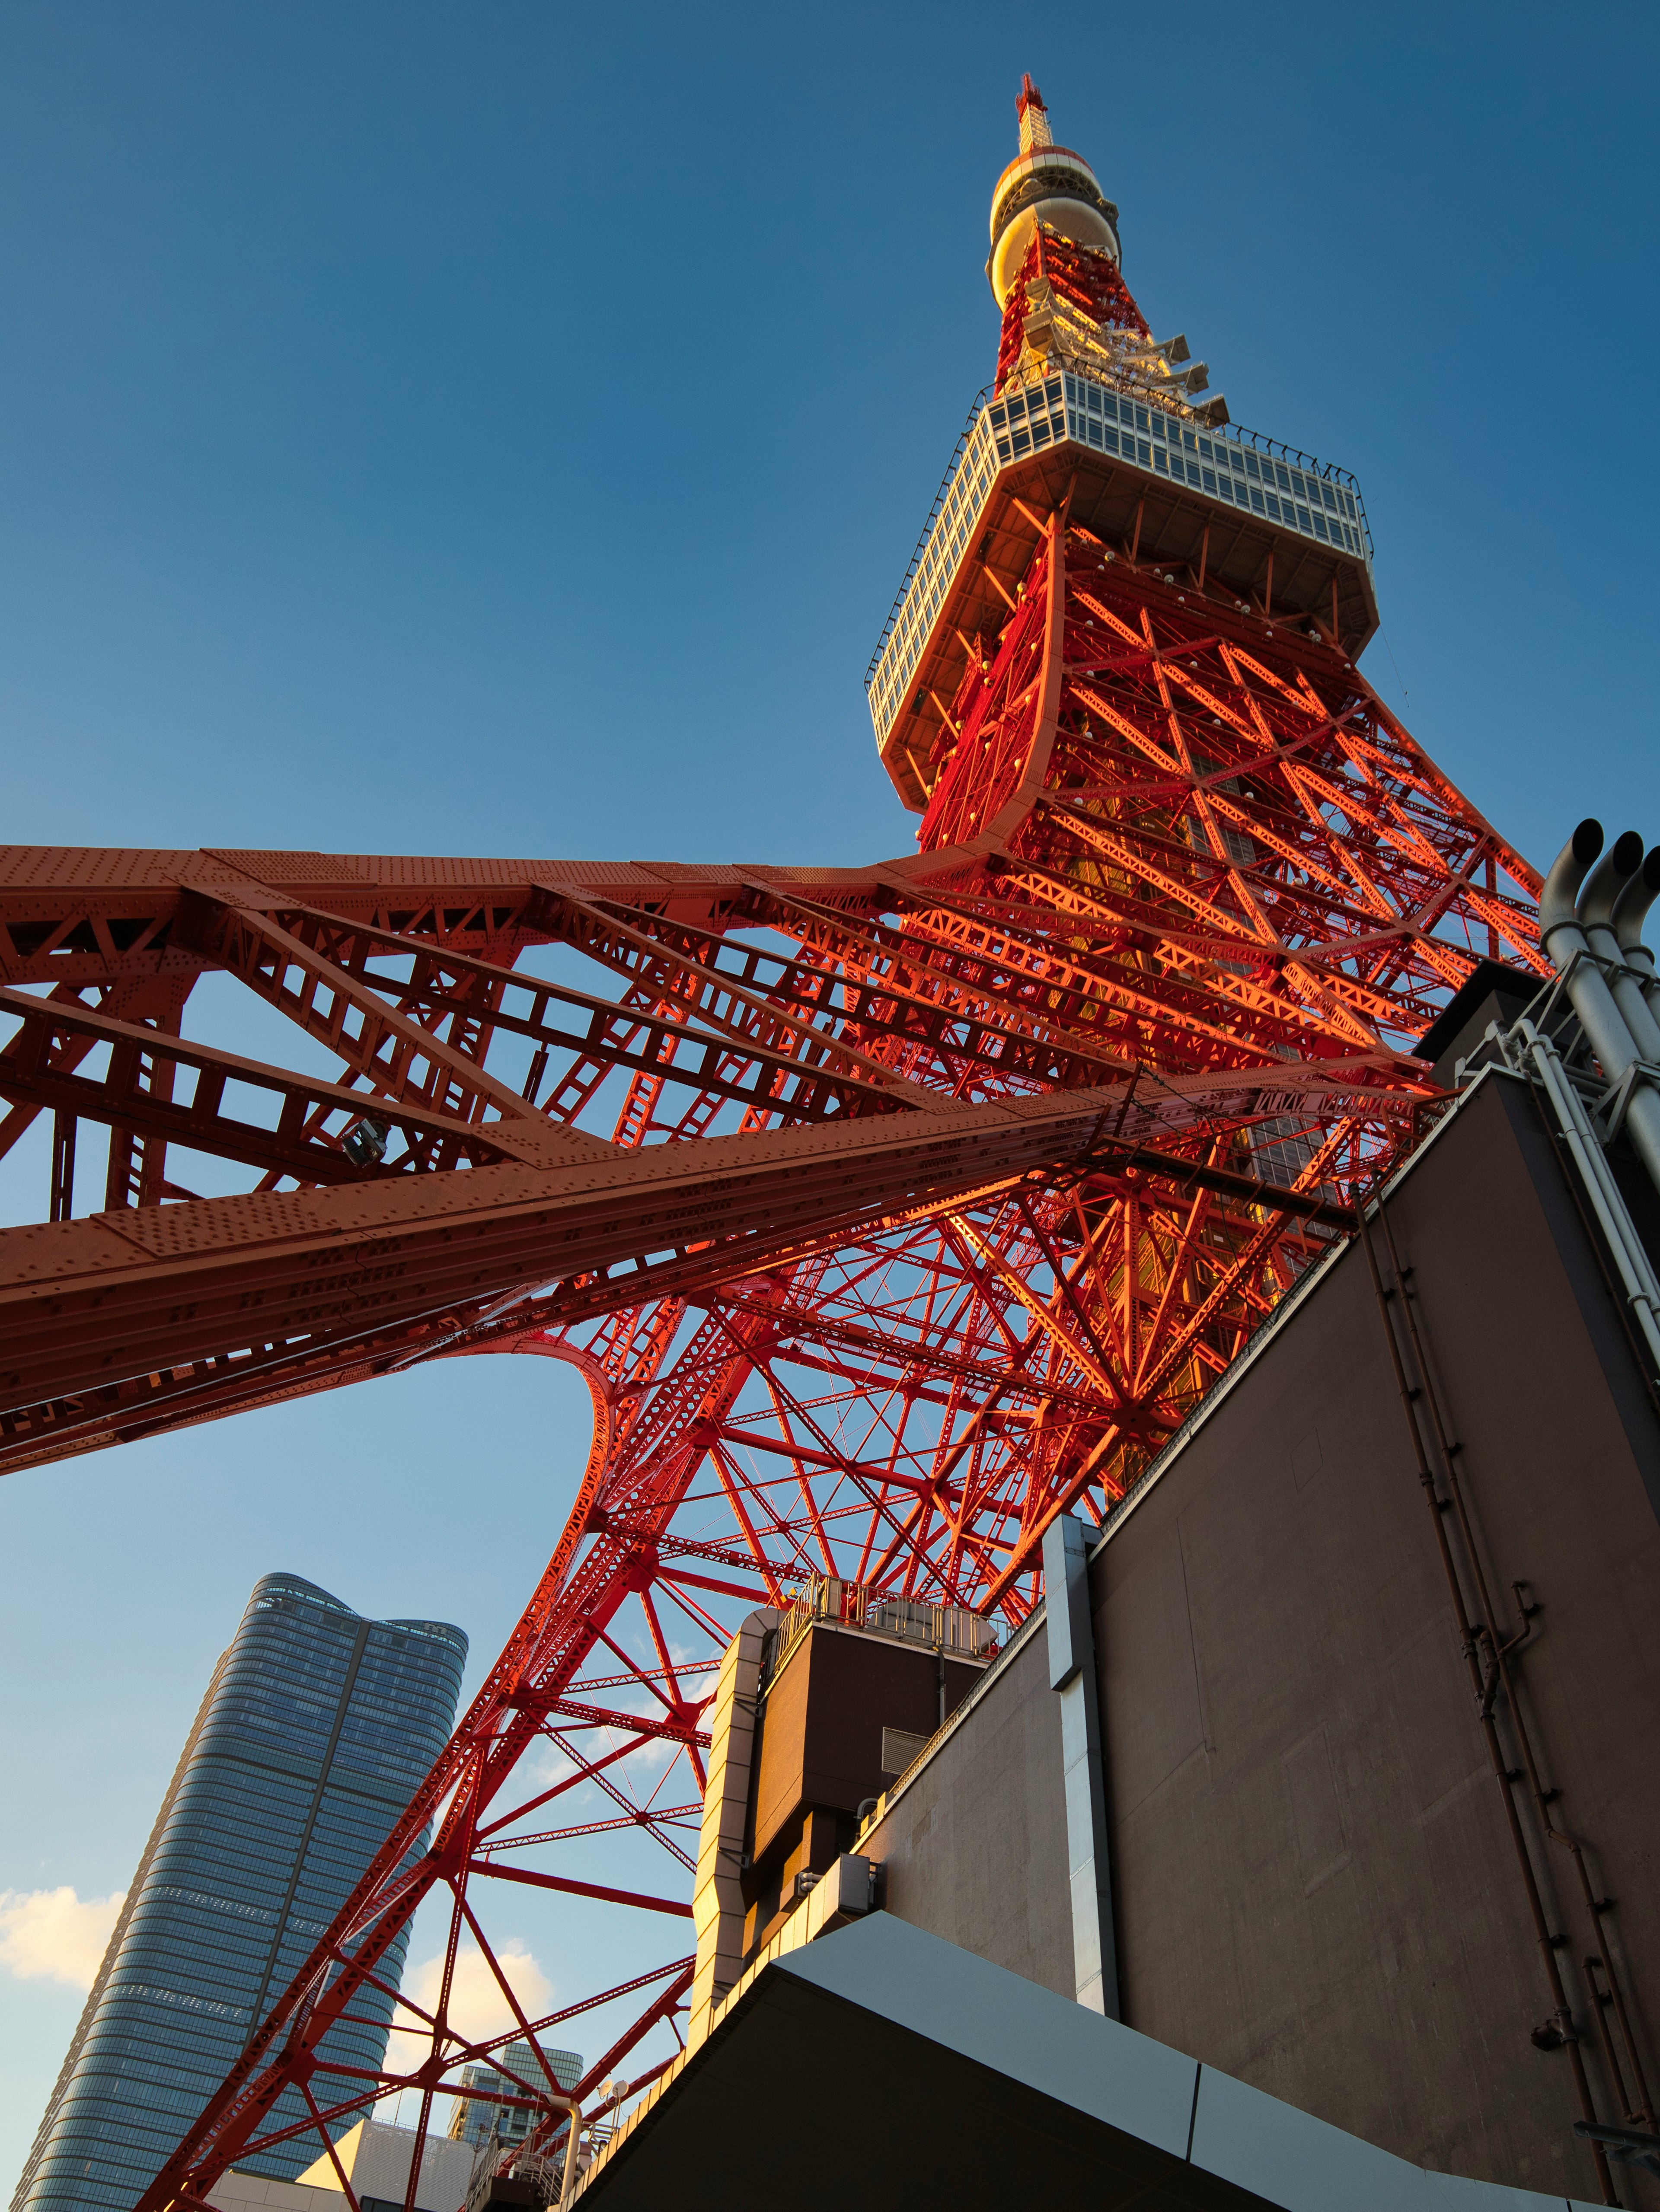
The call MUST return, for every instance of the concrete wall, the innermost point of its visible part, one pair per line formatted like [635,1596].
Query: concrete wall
[1316,1890]
[257,2193]
[974,1848]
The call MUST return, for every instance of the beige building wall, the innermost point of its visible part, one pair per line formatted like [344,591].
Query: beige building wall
[717,1905]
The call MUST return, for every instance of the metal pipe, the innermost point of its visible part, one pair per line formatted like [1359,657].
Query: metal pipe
[1564,940]
[1604,887]
[1636,1276]
[573,2137]
[1502,1671]
[1561,2020]
[1630,911]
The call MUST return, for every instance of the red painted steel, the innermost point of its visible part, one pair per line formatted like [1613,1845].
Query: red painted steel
[884,1212]
[1089,279]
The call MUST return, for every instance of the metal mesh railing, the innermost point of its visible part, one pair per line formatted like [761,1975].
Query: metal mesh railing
[951,1628]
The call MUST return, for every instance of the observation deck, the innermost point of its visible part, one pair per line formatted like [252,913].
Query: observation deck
[1217,509]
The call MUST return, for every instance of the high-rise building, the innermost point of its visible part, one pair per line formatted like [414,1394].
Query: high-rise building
[316,1729]
[477,2121]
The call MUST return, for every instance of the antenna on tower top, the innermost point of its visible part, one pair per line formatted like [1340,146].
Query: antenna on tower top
[1034,117]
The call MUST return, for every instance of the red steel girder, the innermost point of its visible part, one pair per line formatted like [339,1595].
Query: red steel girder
[1078,1090]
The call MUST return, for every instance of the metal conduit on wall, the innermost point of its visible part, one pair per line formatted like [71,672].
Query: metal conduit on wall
[1567,924]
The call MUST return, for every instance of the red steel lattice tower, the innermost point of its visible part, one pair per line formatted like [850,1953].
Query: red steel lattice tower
[886,1212]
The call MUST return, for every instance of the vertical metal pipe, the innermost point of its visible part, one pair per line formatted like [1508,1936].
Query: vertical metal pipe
[1604,888]
[1564,940]
[1561,2009]
[1502,1651]
[1637,1274]
[1630,912]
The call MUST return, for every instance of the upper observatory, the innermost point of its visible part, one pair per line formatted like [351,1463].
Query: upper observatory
[1048,184]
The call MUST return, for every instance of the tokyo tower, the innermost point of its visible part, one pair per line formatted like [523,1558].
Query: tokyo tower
[886,1212]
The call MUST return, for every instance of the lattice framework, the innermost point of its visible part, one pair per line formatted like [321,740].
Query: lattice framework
[885,1213]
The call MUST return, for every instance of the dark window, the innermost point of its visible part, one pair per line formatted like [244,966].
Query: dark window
[1095,432]
[1109,439]
[1094,399]
[1147,451]
[1256,501]
[1284,475]
[1160,461]
[1251,465]
[1022,441]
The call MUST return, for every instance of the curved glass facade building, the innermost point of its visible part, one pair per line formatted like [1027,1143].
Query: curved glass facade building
[317,1728]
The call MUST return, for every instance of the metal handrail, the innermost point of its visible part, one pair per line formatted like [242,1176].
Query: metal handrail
[1240,433]
[981,399]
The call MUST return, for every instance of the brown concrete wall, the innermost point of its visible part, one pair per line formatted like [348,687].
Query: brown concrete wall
[975,1849]
[1315,1888]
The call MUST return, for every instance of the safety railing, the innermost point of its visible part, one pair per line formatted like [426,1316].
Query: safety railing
[947,1628]
[1236,467]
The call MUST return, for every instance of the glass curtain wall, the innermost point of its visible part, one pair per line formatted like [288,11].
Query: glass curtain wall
[317,1728]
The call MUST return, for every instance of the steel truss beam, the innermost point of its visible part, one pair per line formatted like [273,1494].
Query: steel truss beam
[884,1212]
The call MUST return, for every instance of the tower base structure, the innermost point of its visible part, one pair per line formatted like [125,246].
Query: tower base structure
[1372,1644]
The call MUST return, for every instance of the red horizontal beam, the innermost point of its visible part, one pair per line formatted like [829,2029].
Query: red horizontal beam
[30,1074]
[90,1303]
[579,1888]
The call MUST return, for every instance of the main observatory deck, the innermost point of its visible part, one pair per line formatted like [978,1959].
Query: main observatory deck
[1219,507]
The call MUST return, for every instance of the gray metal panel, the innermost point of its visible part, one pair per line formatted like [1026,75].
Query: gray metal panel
[1302,2164]
[1067,1600]
[970,2085]
[1001,2019]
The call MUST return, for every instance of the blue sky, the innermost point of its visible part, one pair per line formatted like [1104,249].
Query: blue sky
[502,430]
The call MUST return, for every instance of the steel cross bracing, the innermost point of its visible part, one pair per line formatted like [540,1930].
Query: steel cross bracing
[884,1212]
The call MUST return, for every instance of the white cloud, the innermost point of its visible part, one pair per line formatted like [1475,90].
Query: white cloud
[53,1935]
[478,2007]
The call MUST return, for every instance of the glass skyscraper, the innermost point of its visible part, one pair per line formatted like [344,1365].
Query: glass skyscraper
[317,1728]
[475,2121]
